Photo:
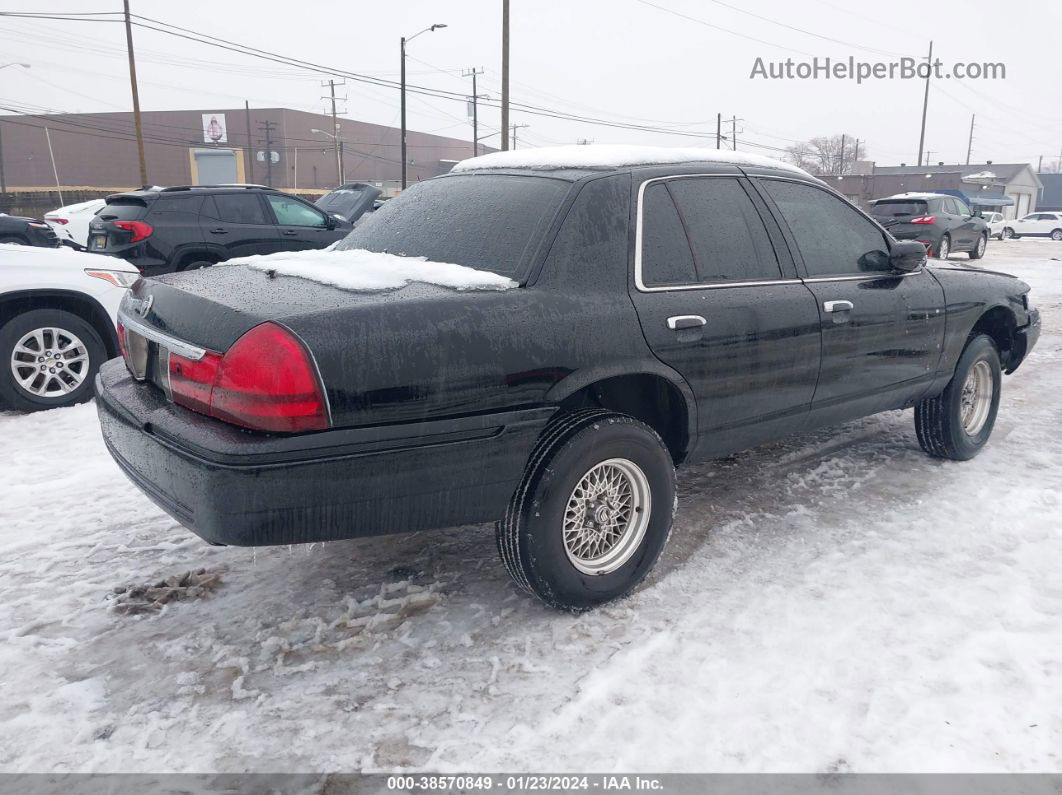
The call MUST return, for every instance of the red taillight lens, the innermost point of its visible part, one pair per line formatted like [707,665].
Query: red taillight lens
[265,381]
[54,220]
[268,382]
[140,229]
[924,219]
[191,381]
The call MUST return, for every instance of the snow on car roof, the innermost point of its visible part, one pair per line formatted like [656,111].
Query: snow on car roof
[913,196]
[368,271]
[616,156]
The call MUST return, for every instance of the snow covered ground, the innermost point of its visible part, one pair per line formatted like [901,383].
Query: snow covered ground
[835,602]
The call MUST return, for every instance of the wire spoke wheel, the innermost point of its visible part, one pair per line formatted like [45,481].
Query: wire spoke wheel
[976,399]
[606,516]
[49,362]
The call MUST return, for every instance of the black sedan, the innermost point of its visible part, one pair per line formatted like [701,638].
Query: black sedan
[561,331]
[26,231]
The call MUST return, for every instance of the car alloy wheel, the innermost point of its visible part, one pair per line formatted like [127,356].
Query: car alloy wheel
[49,362]
[944,248]
[606,516]
[982,241]
[1057,234]
[976,400]
[1006,234]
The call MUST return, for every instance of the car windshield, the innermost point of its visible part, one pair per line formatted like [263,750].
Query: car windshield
[898,211]
[484,221]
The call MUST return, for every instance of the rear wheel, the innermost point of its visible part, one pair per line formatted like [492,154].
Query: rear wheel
[944,247]
[956,423]
[13,239]
[978,250]
[592,513]
[195,261]
[48,358]
[1056,234]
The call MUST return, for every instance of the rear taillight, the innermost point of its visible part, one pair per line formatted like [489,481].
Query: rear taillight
[265,381]
[924,219]
[54,220]
[141,230]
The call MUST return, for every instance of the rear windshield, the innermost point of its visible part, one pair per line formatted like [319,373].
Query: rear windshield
[899,210]
[123,210]
[487,221]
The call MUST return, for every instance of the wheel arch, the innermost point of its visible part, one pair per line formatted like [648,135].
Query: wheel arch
[999,323]
[84,306]
[651,393]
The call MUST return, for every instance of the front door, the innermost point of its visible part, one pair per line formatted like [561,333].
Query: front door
[299,225]
[882,330]
[716,305]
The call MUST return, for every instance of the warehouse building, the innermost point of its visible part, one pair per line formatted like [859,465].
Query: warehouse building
[288,149]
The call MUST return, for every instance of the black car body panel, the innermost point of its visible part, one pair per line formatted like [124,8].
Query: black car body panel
[437,396]
[27,231]
[193,225]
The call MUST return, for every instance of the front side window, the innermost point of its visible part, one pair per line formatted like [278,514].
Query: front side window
[833,238]
[290,212]
[962,206]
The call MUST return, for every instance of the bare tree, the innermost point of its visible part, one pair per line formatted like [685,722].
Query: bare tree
[823,155]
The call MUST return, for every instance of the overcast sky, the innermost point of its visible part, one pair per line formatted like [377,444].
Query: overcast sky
[623,60]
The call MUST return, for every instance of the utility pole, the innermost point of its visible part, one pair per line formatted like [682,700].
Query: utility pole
[1039,166]
[136,96]
[505,74]
[250,141]
[267,128]
[840,166]
[719,131]
[734,131]
[928,153]
[55,171]
[340,175]
[475,106]
[514,128]
[925,105]
[969,146]
[402,146]
[3,180]
[855,155]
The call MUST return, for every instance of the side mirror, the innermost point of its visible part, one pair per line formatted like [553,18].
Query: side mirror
[330,222]
[907,255]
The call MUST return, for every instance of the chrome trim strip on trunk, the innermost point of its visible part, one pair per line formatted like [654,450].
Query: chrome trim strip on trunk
[180,347]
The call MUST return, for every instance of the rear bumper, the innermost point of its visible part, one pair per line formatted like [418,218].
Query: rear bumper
[249,489]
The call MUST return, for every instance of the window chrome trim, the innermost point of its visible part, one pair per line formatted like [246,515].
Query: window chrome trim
[180,347]
[640,285]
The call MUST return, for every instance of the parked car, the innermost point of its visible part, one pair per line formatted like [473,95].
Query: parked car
[942,223]
[663,307]
[26,231]
[1034,225]
[995,223]
[71,223]
[351,201]
[188,227]
[57,323]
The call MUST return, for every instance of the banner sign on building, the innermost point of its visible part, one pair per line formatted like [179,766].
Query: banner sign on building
[214,130]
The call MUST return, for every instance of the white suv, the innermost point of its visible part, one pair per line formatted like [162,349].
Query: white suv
[57,323]
[1035,225]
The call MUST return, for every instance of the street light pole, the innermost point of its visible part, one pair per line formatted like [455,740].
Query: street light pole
[403,103]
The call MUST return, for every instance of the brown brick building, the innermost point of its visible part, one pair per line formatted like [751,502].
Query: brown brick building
[98,150]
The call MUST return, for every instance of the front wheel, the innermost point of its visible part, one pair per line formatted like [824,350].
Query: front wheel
[1007,234]
[48,358]
[956,423]
[592,513]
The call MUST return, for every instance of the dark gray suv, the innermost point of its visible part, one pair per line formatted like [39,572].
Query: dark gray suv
[944,224]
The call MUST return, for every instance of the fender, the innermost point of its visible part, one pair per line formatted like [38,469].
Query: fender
[88,307]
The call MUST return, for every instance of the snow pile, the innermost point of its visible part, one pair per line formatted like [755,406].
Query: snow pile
[358,269]
[615,156]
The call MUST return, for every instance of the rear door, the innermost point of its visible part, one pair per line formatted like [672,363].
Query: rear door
[967,226]
[302,226]
[882,330]
[237,225]
[717,304]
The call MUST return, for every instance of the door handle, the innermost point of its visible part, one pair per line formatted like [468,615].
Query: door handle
[838,306]
[679,322]
[289,232]
[219,231]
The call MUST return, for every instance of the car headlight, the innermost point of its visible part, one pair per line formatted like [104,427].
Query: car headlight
[117,278]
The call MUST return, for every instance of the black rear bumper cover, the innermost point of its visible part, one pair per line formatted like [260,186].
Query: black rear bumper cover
[251,489]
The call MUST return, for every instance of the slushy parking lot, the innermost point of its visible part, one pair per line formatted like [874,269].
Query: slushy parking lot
[835,602]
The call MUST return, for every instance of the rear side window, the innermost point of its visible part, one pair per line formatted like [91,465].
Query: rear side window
[833,237]
[725,230]
[666,255]
[123,210]
[235,208]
